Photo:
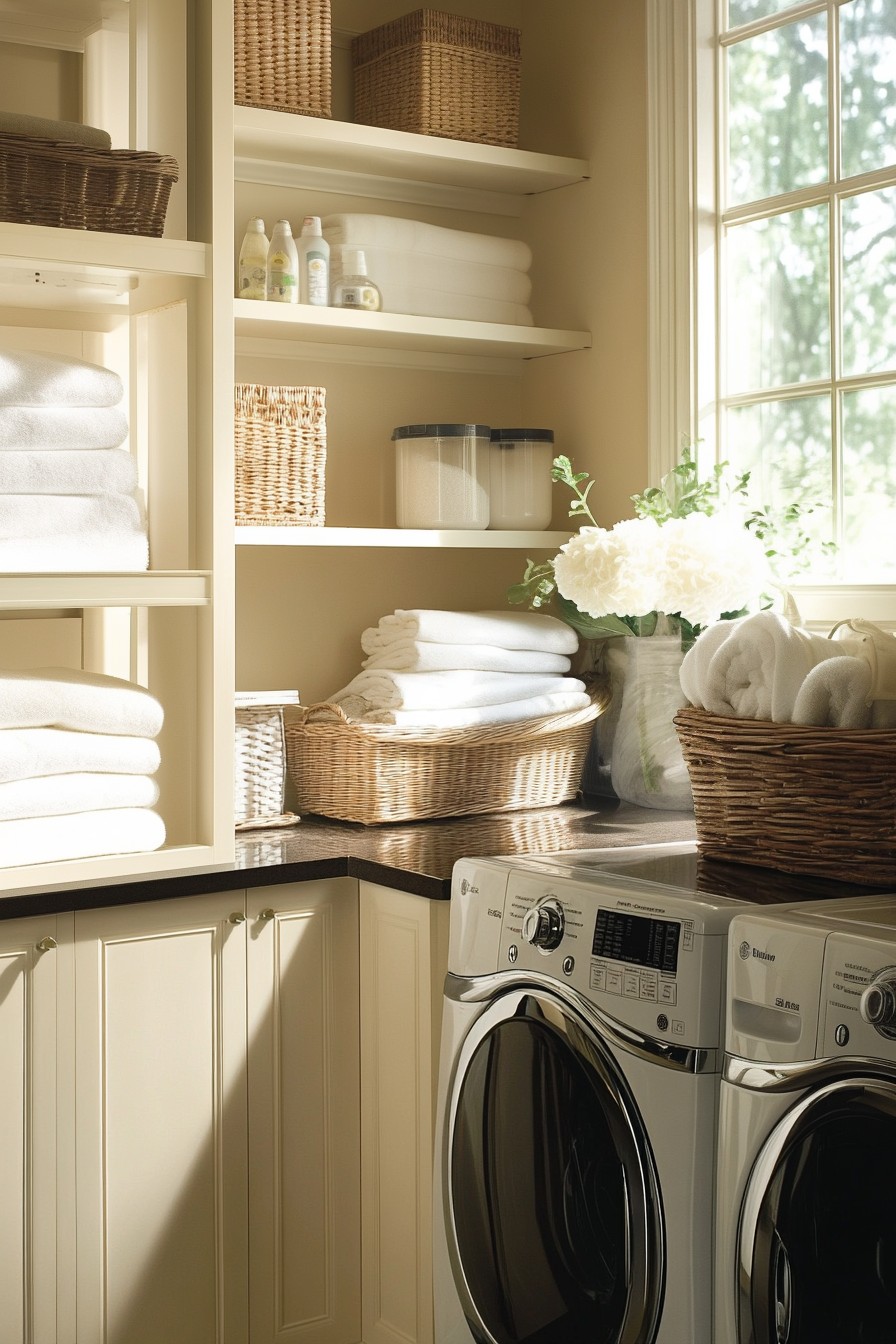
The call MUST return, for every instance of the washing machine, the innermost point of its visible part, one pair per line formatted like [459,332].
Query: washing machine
[806,1191]
[577,1100]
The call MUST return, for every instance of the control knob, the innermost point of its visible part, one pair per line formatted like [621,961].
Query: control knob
[543,925]
[877,1005]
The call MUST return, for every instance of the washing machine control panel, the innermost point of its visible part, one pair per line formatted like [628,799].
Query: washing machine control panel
[543,924]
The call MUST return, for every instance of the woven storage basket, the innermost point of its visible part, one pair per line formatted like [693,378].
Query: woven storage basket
[440,74]
[72,186]
[793,798]
[280,455]
[282,55]
[260,768]
[370,774]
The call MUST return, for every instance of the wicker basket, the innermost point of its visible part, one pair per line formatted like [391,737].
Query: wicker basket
[372,774]
[71,186]
[794,798]
[440,74]
[260,768]
[280,451]
[281,55]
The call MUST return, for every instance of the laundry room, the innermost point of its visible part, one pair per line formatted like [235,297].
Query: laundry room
[447,672]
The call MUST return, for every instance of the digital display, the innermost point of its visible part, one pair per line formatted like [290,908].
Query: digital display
[637,939]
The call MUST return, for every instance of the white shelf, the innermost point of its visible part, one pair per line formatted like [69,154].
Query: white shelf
[400,331]
[282,149]
[70,874]
[398,537]
[31,592]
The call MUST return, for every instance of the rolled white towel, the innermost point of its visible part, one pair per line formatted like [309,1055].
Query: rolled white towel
[32,378]
[72,532]
[29,752]
[55,427]
[379,688]
[116,830]
[59,795]
[89,472]
[516,711]
[421,655]
[834,694]
[91,702]
[411,235]
[504,629]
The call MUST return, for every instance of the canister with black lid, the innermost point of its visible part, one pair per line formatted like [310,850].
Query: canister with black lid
[520,478]
[441,475]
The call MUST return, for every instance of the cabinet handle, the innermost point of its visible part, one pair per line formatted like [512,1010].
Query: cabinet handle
[237,917]
[266,914]
[46,944]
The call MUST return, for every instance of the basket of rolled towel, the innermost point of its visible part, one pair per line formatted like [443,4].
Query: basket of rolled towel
[790,744]
[453,713]
[66,175]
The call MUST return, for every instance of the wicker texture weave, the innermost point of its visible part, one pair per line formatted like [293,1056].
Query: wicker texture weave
[440,74]
[793,798]
[71,186]
[259,768]
[372,774]
[280,454]
[281,55]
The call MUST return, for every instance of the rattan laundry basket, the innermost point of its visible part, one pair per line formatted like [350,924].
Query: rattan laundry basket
[371,773]
[280,455]
[282,55]
[259,767]
[793,798]
[440,74]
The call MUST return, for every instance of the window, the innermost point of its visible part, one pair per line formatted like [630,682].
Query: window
[786,125]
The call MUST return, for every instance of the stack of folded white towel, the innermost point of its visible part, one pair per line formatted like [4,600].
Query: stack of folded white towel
[460,669]
[436,272]
[68,490]
[764,667]
[77,759]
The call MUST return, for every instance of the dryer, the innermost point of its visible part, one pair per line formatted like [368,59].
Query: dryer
[577,1101]
[806,1191]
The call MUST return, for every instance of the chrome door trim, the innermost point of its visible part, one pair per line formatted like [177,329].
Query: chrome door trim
[646,1241]
[761,1077]
[483,988]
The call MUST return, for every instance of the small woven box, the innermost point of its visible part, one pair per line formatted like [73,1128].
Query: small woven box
[440,74]
[282,55]
[259,766]
[793,798]
[280,455]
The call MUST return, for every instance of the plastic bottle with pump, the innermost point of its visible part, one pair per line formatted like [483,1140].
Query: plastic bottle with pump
[282,265]
[314,264]
[354,288]
[251,276]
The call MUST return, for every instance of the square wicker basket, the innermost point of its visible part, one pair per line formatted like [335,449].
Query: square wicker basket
[282,55]
[794,798]
[62,185]
[440,74]
[374,774]
[280,454]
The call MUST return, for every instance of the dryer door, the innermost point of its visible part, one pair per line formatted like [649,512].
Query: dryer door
[553,1212]
[818,1229]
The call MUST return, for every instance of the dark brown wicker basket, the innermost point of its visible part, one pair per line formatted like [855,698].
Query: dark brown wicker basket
[440,74]
[793,798]
[282,55]
[73,186]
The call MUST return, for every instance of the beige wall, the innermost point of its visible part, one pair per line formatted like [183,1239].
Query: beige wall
[40,82]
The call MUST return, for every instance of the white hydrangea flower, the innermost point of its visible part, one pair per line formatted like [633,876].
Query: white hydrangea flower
[712,565]
[616,571]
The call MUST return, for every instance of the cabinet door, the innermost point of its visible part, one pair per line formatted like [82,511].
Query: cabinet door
[404,951]
[161,1132]
[304,1241]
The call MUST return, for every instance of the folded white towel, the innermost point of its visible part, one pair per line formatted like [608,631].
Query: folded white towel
[118,830]
[59,795]
[504,629]
[29,752]
[422,270]
[62,427]
[72,532]
[420,655]
[516,711]
[411,235]
[32,378]
[834,694]
[381,689]
[91,702]
[93,472]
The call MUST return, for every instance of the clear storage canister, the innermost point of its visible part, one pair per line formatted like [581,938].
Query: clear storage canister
[441,475]
[520,478]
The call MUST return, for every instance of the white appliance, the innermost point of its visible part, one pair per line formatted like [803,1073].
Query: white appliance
[806,1225]
[578,1094]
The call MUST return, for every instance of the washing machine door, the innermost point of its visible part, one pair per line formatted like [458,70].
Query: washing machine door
[817,1260]
[553,1212]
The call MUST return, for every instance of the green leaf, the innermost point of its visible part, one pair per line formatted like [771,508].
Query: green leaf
[589,627]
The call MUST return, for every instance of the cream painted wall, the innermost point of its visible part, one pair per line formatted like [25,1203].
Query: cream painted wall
[40,82]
